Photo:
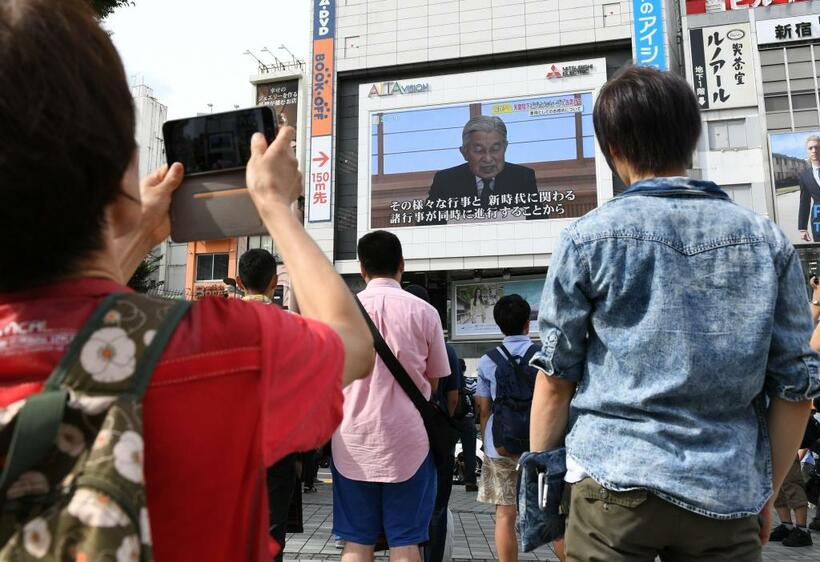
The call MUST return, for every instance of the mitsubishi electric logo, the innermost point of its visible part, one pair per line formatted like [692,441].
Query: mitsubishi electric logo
[397,88]
[568,70]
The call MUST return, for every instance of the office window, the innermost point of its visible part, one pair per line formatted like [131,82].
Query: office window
[729,134]
[210,267]
[789,82]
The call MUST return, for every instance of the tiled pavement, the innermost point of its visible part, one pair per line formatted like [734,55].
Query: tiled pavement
[473,534]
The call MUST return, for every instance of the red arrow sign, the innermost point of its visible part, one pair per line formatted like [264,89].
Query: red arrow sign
[322,159]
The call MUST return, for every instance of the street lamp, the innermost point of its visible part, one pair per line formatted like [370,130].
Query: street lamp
[283,48]
[211,106]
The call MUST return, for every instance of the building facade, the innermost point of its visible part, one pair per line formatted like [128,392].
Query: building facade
[406,77]
[151,114]
[756,130]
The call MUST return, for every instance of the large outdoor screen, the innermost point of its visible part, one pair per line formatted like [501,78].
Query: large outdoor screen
[426,169]
[795,158]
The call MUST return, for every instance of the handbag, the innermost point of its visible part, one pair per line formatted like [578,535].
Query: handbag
[540,492]
[441,432]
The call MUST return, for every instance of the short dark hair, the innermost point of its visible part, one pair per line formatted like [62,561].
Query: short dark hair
[380,253]
[418,291]
[256,269]
[511,312]
[66,139]
[651,118]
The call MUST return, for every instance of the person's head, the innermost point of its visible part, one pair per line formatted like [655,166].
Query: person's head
[512,314]
[256,272]
[647,123]
[68,168]
[813,150]
[483,145]
[380,255]
[418,291]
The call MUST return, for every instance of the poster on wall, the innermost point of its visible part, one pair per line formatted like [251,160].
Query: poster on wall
[710,6]
[722,69]
[487,161]
[795,159]
[474,302]
[283,98]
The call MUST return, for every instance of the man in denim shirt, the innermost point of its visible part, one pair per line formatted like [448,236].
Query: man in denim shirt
[677,325]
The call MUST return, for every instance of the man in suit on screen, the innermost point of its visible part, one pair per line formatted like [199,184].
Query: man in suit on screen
[485,173]
[809,180]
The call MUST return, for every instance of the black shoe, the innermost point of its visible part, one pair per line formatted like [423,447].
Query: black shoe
[798,537]
[309,489]
[780,532]
[471,487]
[815,525]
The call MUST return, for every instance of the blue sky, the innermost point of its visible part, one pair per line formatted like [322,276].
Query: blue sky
[791,144]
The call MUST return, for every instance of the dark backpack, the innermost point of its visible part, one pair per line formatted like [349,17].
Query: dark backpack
[515,384]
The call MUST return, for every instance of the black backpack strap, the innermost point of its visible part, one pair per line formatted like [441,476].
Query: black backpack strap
[395,367]
[519,371]
[39,420]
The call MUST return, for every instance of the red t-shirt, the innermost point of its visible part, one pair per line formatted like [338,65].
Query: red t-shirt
[240,385]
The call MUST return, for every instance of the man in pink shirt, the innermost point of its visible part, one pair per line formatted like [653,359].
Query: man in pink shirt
[384,480]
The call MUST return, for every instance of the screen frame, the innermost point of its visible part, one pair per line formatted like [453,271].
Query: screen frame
[269,124]
[453,314]
[458,241]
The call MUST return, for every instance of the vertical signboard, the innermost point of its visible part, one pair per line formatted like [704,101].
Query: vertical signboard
[722,70]
[283,98]
[648,33]
[321,111]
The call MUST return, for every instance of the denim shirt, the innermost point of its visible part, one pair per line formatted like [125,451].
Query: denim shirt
[677,312]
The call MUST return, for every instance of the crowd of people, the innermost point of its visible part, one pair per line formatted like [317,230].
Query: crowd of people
[674,362]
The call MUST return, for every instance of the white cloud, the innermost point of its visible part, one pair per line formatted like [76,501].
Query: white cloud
[190,51]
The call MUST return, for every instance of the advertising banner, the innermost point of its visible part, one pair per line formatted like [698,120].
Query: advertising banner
[474,302]
[283,98]
[426,168]
[787,30]
[722,70]
[708,6]
[648,33]
[319,196]
[795,159]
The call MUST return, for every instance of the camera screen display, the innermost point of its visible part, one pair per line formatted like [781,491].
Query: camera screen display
[220,141]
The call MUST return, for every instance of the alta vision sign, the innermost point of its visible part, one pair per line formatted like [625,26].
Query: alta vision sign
[397,88]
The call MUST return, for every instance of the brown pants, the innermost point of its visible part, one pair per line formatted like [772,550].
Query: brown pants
[637,526]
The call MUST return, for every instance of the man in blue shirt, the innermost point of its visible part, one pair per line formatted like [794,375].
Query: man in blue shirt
[499,474]
[677,325]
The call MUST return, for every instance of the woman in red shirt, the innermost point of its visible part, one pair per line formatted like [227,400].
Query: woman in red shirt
[239,385]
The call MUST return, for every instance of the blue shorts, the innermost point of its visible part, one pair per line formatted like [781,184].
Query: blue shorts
[362,510]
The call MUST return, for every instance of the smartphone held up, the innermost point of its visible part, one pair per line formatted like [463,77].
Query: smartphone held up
[213,201]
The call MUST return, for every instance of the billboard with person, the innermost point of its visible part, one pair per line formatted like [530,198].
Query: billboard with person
[483,147]
[795,163]
[528,158]
[473,303]
[283,97]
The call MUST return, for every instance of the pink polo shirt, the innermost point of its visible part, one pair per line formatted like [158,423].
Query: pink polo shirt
[382,437]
